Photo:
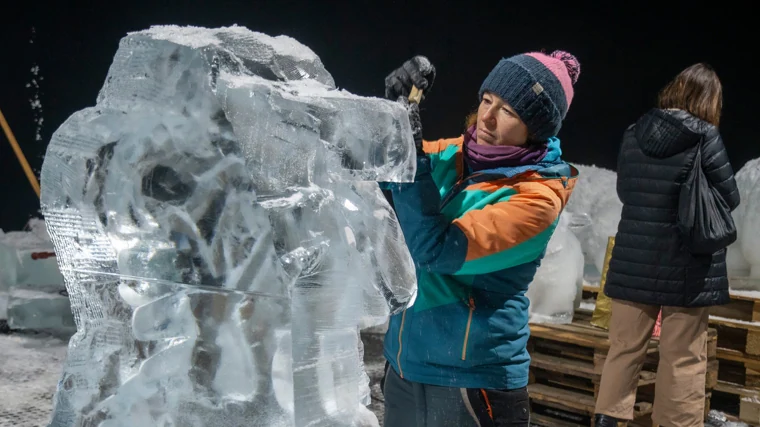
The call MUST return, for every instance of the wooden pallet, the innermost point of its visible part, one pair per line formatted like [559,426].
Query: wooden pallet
[738,390]
[738,323]
[566,368]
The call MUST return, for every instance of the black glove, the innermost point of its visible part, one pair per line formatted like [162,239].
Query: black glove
[417,71]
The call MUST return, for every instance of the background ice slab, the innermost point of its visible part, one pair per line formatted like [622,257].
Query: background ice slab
[743,257]
[557,288]
[27,257]
[217,240]
[595,195]
[32,292]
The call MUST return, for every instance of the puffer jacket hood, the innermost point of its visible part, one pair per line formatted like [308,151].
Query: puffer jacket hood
[665,133]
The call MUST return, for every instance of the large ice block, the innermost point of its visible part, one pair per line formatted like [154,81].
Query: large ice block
[219,237]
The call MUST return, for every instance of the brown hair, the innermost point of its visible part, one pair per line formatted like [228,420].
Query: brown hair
[697,90]
[471,119]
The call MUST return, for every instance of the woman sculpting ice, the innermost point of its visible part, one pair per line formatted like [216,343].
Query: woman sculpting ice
[477,220]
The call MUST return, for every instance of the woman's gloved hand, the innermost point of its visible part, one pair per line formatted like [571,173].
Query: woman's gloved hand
[417,71]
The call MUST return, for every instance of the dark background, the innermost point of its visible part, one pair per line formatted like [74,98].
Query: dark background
[627,50]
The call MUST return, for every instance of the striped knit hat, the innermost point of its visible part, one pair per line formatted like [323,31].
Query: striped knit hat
[538,87]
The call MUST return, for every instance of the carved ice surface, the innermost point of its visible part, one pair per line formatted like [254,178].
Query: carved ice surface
[219,238]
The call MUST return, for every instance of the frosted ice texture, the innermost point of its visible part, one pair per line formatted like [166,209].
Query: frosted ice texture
[557,287]
[743,257]
[218,238]
[595,195]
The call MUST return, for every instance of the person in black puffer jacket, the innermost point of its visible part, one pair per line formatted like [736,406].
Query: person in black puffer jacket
[651,269]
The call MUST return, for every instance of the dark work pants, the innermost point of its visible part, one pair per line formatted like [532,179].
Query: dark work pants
[409,404]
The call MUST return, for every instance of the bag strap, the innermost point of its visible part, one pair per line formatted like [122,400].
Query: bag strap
[698,153]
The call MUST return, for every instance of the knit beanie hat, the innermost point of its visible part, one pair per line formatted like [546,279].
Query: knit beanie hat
[538,87]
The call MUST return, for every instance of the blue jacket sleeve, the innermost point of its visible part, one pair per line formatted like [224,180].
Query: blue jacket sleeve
[435,244]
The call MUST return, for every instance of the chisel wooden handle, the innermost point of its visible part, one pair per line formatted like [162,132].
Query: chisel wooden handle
[415,96]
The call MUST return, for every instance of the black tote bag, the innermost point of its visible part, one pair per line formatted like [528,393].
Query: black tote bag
[704,219]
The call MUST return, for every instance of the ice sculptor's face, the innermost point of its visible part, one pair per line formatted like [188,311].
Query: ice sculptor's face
[498,123]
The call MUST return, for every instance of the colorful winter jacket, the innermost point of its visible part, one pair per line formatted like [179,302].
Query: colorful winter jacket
[477,240]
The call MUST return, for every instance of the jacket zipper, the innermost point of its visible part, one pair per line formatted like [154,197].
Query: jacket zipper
[471,304]
[398,356]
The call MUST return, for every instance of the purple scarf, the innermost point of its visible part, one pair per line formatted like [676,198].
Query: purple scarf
[480,157]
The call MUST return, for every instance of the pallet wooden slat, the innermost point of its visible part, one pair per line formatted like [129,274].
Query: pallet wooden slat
[564,366]
[563,399]
[579,335]
[738,356]
[573,400]
[738,390]
[578,368]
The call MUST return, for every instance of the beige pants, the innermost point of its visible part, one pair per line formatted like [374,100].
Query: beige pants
[680,385]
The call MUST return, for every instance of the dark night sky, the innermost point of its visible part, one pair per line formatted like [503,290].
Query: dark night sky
[627,50]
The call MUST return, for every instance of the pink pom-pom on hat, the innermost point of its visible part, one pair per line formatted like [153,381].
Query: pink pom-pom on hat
[571,63]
